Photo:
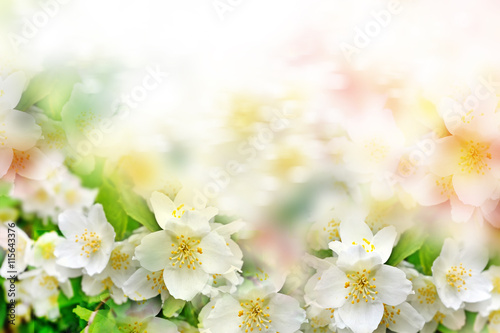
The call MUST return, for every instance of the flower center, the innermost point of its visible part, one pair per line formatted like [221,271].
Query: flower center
[389,315]
[186,252]
[439,317]
[445,184]
[49,282]
[360,286]
[427,294]
[119,260]
[107,283]
[47,250]
[496,285]
[254,316]
[19,160]
[333,229]
[179,211]
[494,317]
[158,282]
[90,241]
[377,150]
[455,277]
[366,244]
[475,157]
[136,327]
[42,196]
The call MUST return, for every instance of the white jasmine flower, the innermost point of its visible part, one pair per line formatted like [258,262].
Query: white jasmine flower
[120,268]
[164,208]
[89,240]
[359,233]
[95,285]
[44,257]
[402,318]
[457,274]
[452,319]
[44,291]
[492,304]
[252,311]
[425,300]
[358,286]
[188,251]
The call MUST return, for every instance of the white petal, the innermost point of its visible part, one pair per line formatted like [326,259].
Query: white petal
[140,286]
[72,223]
[330,291]
[161,325]
[406,319]
[154,251]
[384,242]
[216,257]
[6,155]
[362,317]
[223,317]
[162,208]
[474,189]
[285,313]
[184,283]
[392,286]
[92,286]
[354,231]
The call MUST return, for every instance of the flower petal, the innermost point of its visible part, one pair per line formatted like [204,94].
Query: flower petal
[154,251]
[362,317]
[330,291]
[285,313]
[392,286]
[184,283]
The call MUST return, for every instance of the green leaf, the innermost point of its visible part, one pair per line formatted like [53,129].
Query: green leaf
[189,313]
[39,87]
[103,322]
[137,208]
[429,251]
[109,197]
[53,103]
[410,242]
[173,306]
[82,312]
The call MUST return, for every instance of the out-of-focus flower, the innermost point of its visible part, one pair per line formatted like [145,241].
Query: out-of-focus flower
[457,274]
[469,159]
[49,197]
[44,257]
[23,249]
[89,240]
[374,150]
[43,291]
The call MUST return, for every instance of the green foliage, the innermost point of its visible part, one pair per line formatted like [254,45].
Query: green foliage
[53,103]
[109,197]
[137,208]
[49,90]
[172,306]
[410,242]
[429,251]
